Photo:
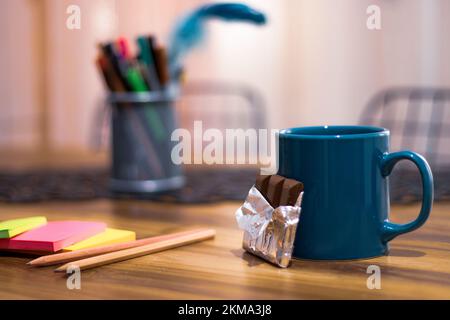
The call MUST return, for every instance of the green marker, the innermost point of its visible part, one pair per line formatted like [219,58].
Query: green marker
[146,57]
[135,80]
[138,84]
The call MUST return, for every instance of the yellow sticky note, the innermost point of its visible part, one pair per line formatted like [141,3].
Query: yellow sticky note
[11,228]
[109,236]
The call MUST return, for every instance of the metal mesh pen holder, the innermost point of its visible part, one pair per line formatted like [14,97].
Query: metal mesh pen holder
[142,124]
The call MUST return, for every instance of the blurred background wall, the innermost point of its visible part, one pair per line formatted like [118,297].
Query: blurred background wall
[314,63]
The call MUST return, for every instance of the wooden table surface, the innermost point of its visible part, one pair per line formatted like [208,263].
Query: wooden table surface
[417,267]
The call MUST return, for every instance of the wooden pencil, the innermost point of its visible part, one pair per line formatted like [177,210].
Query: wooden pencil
[126,254]
[64,257]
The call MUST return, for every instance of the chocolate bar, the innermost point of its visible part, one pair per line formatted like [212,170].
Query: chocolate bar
[274,189]
[262,183]
[269,218]
[291,191]
[278,190]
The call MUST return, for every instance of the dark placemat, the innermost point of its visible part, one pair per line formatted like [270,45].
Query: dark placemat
[44,185]
[406,187]
[203,186]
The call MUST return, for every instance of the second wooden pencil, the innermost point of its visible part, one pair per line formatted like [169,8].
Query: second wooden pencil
[112,257]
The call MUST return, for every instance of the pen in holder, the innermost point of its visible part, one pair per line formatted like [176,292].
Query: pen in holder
[141,128]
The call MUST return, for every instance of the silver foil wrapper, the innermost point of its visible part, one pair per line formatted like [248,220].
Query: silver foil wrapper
[268,233]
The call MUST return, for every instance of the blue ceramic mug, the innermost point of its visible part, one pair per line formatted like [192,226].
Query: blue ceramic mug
[345,209]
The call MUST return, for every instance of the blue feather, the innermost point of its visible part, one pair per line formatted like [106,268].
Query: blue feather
[190,31]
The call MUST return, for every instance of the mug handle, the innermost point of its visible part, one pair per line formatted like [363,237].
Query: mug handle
[389,160]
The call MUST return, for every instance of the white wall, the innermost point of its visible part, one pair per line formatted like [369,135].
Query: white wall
[335,59]
[20,73]
[315,62]
[75,89]
[319,64]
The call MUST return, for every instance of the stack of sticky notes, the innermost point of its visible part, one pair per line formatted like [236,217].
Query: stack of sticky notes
[109,236]
[36,234]
[10,228]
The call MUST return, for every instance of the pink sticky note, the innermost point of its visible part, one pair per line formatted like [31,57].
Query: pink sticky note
[53,236]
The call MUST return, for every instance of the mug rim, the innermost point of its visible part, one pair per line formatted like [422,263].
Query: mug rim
[372,131]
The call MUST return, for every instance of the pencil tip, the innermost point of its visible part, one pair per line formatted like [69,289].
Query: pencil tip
[60,269]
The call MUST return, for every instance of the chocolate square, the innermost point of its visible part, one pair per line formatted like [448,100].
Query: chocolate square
[290,192]
[274,190]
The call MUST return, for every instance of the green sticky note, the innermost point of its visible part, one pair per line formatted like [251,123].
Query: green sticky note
[11,228]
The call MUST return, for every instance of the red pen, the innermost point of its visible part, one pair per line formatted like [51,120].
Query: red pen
[123,48]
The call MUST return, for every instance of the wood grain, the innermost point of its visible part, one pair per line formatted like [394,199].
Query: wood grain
[418,266]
